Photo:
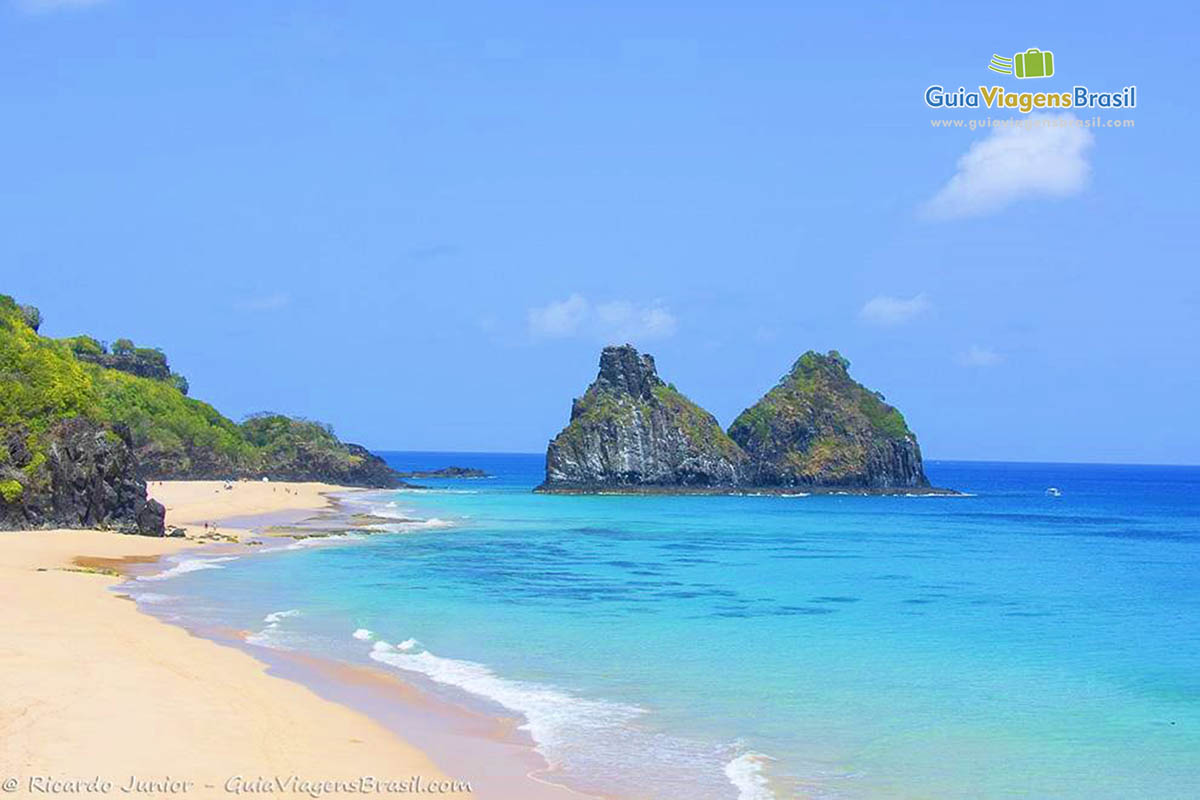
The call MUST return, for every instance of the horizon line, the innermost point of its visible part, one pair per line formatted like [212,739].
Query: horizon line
[927,461]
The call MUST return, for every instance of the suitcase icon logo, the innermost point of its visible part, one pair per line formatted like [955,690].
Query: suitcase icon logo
[1033,63]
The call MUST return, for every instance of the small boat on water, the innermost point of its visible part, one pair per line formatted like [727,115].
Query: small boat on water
[1054,491]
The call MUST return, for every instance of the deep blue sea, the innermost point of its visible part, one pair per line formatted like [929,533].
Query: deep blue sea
[1003,644]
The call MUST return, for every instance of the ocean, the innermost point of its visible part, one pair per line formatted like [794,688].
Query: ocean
[1007,643]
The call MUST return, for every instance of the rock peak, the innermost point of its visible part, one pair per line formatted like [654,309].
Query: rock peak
[629,429]
[624,370]
[813,361]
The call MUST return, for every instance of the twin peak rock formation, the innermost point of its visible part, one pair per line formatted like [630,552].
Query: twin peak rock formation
[817,430]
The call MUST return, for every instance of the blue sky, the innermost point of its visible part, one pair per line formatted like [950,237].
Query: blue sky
[422,223]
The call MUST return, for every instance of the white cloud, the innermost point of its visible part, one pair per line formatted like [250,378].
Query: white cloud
[270,302]
[622,320]
[884,310]
[980,357]
[1012,163]
[559,319]
[617,320]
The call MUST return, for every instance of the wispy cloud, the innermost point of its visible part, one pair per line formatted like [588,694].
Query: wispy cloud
[625,321]
[560,318]
[885,310]
[616,320]
[1013,163]
[270,302]
[980,357]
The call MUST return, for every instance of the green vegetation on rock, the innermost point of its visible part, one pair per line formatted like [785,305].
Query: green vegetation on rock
[41,381]
[11,490]
[699,425]
[174,435]
[631,429]
[46,381]
[820,427]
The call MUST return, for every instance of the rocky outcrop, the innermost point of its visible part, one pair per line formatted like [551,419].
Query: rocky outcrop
[820,428]
[345,464]
[369,470]
[445,472]
[32,317]
[67,455]
[309,462]
[817,430]
[631,430]
[144,363]
[86,479]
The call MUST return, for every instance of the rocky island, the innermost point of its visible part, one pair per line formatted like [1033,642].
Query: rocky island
[630,430]
[445,472]
[818,430]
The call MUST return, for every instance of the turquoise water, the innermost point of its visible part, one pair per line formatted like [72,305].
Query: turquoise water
[1004,644]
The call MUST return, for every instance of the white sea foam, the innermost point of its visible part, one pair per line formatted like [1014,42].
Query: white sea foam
[322,541]
[746,773]
[154,598]
[362,634]
[187,565]
[265,638]
[405,518]
[411,525]
[269,635]
[310,541]
[389,510]
[553,717]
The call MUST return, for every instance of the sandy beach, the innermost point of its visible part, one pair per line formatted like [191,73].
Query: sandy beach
[95,689]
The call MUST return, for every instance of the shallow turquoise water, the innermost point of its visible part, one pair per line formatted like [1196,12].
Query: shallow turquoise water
[1006,644]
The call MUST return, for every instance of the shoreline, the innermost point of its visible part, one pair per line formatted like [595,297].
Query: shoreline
[87,677]
[749,491]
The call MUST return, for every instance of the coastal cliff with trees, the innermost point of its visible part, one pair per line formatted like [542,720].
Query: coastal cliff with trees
[817,430]
[83,426]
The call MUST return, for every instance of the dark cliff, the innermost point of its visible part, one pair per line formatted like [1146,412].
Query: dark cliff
[144,362]
[820,428]
[61,465]
[629,429]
